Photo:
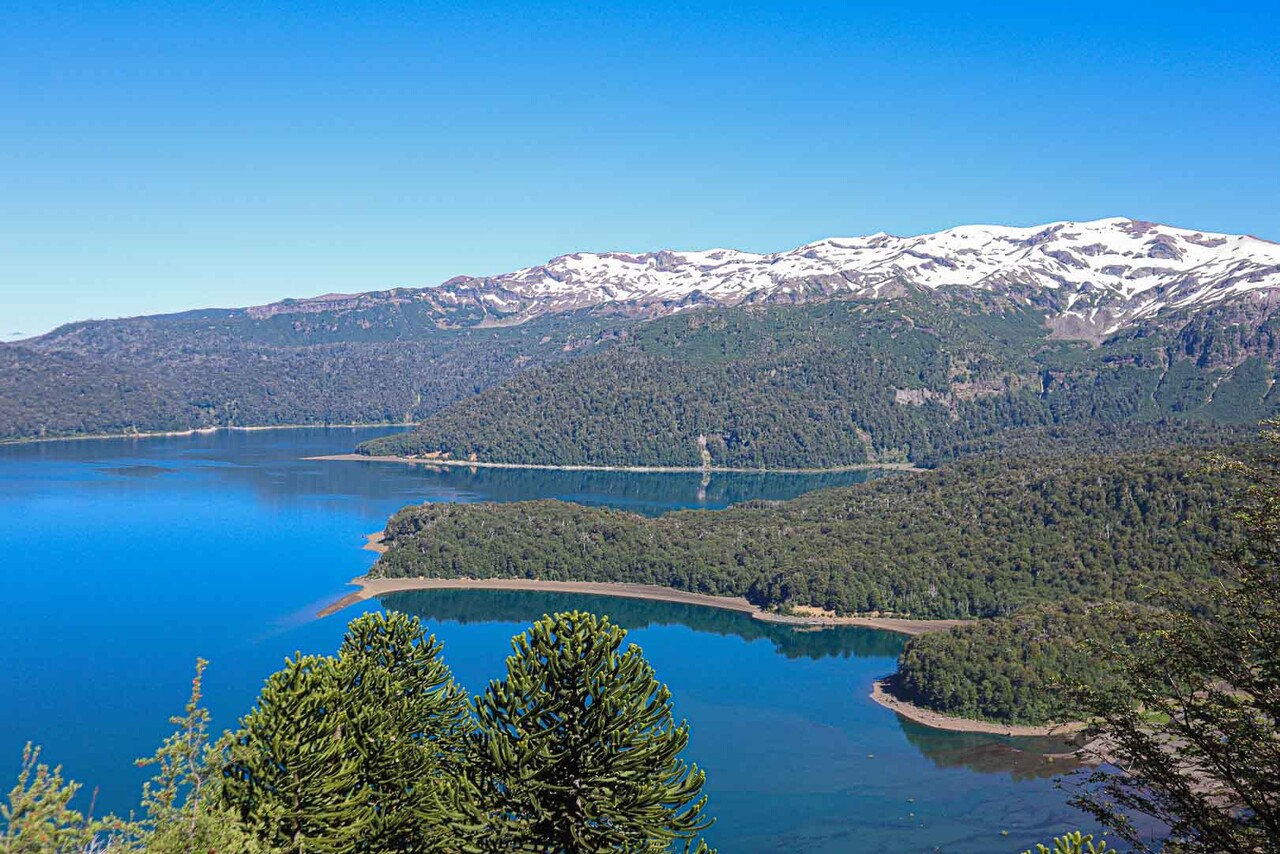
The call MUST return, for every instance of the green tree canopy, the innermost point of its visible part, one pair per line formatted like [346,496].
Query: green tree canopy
[358,752]
[1198,744]
[580,747]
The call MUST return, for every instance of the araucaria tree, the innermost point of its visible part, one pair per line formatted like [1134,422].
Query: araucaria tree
[1198,743]
[356,753]
[578,748]
[377,750]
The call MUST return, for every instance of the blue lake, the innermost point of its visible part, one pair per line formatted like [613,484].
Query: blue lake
[124,560]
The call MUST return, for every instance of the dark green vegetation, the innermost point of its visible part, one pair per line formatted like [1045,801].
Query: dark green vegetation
[1015,669]
[389,362]
[362,751]
[980,538]
[379,750]
[923,378]
[1034,544]
[1197,730]
[577,750]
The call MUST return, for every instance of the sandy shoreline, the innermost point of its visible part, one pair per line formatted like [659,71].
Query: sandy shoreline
[433,461]
[194,431]
[373,542]
[937,720]
[373,588]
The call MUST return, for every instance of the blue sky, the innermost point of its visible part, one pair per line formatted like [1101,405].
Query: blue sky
[157,157]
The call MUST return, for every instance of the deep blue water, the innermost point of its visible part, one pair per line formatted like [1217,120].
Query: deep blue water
[124,560]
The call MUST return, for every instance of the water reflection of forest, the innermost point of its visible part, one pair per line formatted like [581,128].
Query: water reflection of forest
[650,493]
[273,464]
[1020,758]
[525,606]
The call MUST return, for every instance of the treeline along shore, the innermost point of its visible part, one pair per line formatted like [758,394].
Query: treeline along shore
[196,431]
[446,461]
[1009,557]
[374,588]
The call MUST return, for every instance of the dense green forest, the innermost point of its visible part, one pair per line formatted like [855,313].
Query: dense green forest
[383,364]
[925,377]
[1017,669]
[979,538]
[922,379]
[1029,542]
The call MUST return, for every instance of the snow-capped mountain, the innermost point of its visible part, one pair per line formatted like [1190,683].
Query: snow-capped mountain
[1092,277]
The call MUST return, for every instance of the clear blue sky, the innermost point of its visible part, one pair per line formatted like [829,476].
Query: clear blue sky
[156,157]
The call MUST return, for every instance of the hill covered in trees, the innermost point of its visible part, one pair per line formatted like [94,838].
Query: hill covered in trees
[1029,545]
[383,363]
[1017,669]
[921,378]
[920,375]
[979,538]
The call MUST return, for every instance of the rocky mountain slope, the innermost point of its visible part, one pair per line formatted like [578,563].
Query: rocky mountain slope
[1093,278]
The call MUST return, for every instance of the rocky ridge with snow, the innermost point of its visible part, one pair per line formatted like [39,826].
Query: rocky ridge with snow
[1091,278]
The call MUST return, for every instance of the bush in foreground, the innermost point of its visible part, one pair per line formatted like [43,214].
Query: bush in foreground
[378,750]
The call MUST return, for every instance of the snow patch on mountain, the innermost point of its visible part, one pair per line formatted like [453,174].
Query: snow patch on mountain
[1091,277]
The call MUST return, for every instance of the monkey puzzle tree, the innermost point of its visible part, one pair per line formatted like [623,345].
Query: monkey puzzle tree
[356,753]
[578,747]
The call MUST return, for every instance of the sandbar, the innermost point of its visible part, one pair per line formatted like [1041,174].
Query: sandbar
[881,692]
[480,464]
[373,588]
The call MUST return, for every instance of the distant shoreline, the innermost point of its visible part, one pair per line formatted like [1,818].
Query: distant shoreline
[881,693]
[374,588]
[430,461]
[194,431]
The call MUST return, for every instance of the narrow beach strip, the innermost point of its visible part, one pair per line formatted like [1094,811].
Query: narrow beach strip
[193,431]
[435,461]
[936,720]
[373,588]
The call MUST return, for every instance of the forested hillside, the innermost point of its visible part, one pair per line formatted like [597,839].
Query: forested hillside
[921,376]
[974,539]
[1031,542]
[1016,669]
[382,364]
[921,379]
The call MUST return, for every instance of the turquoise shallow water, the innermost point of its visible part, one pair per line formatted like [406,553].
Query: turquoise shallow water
[124,560]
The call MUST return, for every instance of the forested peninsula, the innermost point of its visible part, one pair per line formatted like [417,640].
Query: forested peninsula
[1032,545]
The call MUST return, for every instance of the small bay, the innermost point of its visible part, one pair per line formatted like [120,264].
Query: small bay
[125,559]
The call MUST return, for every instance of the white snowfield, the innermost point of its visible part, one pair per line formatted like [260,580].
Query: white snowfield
[1097,276]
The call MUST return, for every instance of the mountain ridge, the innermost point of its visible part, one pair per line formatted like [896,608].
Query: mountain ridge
[1113,319]
[1106,273]
[1093,278]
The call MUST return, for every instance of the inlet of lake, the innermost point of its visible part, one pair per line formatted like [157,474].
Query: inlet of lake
[126,559]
